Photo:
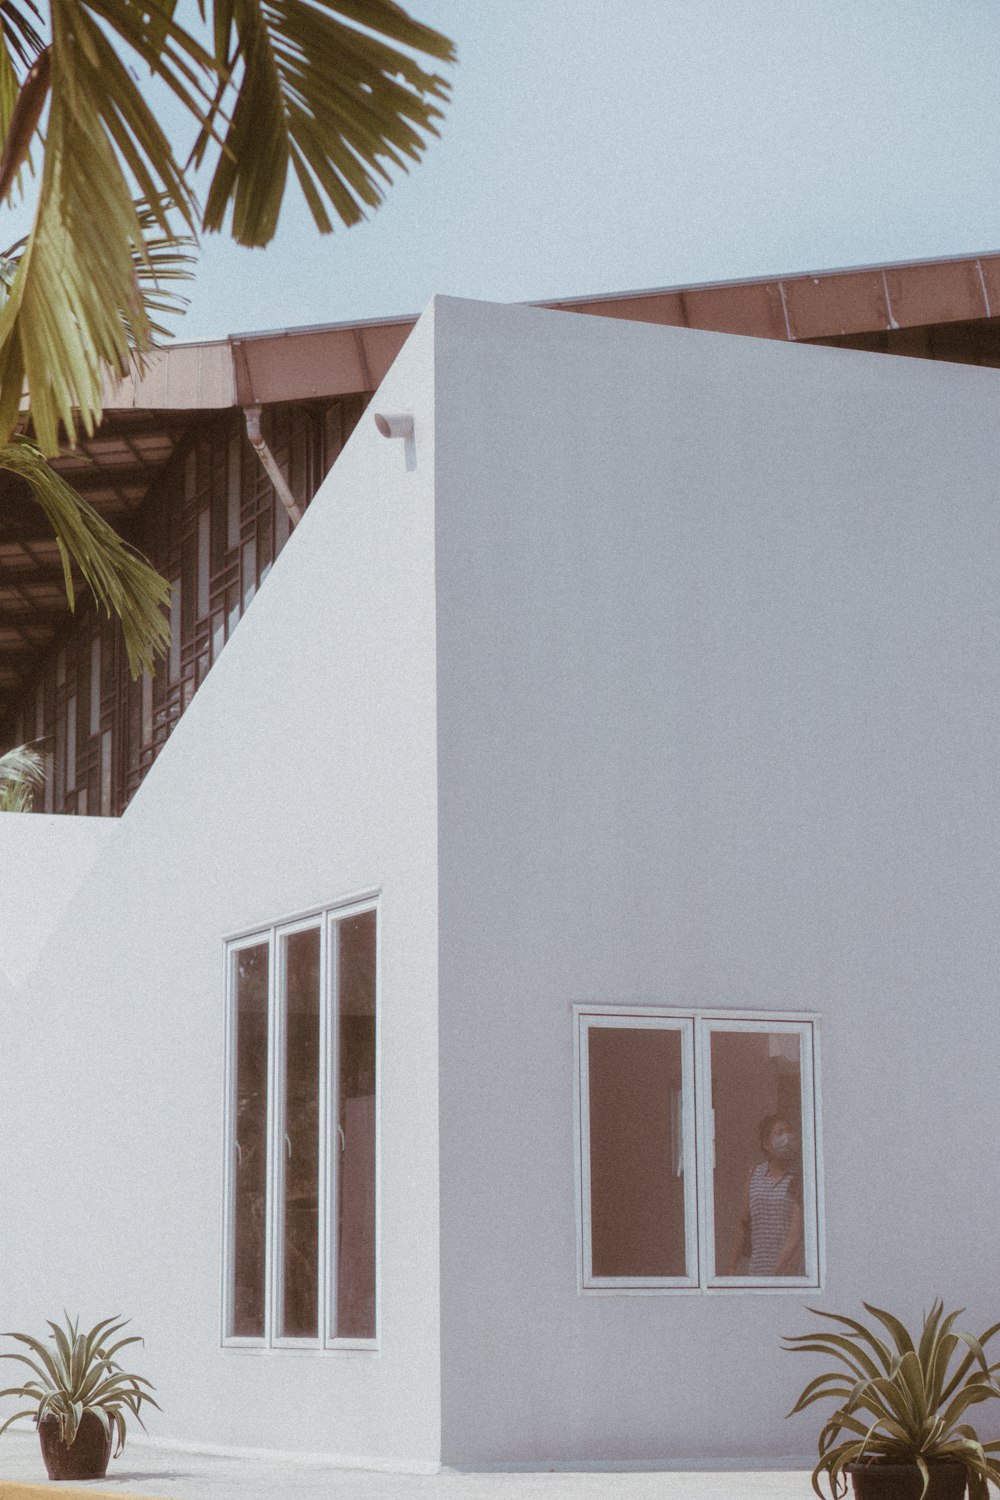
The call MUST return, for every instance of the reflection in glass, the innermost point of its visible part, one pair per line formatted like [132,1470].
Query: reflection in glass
[636,1152]
[250,1149]
[757,1183]
[300,1138]
[354,1138]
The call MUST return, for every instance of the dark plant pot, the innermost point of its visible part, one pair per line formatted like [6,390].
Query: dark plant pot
[886,1481]
[86,1457]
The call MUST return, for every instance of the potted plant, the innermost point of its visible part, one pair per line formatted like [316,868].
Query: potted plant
[79,1397]
[899,1428]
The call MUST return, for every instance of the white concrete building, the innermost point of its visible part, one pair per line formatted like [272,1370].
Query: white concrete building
[605,777]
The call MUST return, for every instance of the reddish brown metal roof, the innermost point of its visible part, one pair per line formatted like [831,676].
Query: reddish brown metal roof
[337,359]
[820,304]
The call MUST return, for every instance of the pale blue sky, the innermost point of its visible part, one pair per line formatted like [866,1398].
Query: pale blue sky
[599,147]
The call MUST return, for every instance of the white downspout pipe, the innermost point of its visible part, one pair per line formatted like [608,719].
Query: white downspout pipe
[270,464]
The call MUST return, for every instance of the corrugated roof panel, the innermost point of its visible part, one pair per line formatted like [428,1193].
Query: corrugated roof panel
[755,309]
[935,294]
[831,305]
[658,307]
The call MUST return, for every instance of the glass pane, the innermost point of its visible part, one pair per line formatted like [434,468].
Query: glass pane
[249,570]
[204,520]
[147,710]
[174,652]
[757,1100]
[250,1147]
[636,1152]
[95,685]
[300,1141]
[233,496]
[354,1139]
[71,712]
[106,773]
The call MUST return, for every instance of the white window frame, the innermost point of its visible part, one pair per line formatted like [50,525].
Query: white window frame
[324,920]
[697,1135]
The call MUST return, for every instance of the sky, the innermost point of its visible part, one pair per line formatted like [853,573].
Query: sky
[602,147]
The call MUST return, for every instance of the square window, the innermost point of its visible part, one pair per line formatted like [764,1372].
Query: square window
[300,1189]
[698,1151]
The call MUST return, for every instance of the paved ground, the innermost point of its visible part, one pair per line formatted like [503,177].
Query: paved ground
[144,1470]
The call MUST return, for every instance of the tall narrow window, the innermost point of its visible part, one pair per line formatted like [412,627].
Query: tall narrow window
[95,685]
[204,525]
[71,712]
[174,651]
[249,978]
[299,1135]
[234,482]
[301,1173]
[355,1145]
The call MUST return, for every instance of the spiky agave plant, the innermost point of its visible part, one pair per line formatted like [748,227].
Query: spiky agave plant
[76,1373]
[21,773]
[901,1402]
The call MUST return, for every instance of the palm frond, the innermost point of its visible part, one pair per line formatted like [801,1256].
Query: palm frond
[121,582]
[21,774]
[21,35]
[75,308]
[21,124]
[314,92]
[164,258]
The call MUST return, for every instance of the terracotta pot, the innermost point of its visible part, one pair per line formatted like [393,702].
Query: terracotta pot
[887,1481]
[86,1457]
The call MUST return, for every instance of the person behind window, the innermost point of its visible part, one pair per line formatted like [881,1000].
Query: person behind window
[770,1228]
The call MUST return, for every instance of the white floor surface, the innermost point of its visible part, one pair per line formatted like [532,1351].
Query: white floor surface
[146,1470]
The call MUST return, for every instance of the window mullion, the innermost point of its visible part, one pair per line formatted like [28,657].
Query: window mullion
[588,1249]
[703,1102]
[810,1218]
[692,1174]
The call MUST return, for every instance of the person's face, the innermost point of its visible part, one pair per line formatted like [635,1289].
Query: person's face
[781,1141]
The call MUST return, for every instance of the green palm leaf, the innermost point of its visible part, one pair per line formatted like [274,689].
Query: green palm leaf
[121,582]
[315,93]
[75,308]
[21,35]
[21,774]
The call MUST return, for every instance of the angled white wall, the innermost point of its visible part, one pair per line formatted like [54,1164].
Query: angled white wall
[719,645]
[44,861]
[304,772]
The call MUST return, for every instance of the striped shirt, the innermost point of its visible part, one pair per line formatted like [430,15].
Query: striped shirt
[772,1213]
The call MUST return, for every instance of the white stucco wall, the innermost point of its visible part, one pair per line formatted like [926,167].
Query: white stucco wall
[303,773]
[719,644]
[43,862]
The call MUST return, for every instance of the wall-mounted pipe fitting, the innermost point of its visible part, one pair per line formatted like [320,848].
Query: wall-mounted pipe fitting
[399,424]
[394,424]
